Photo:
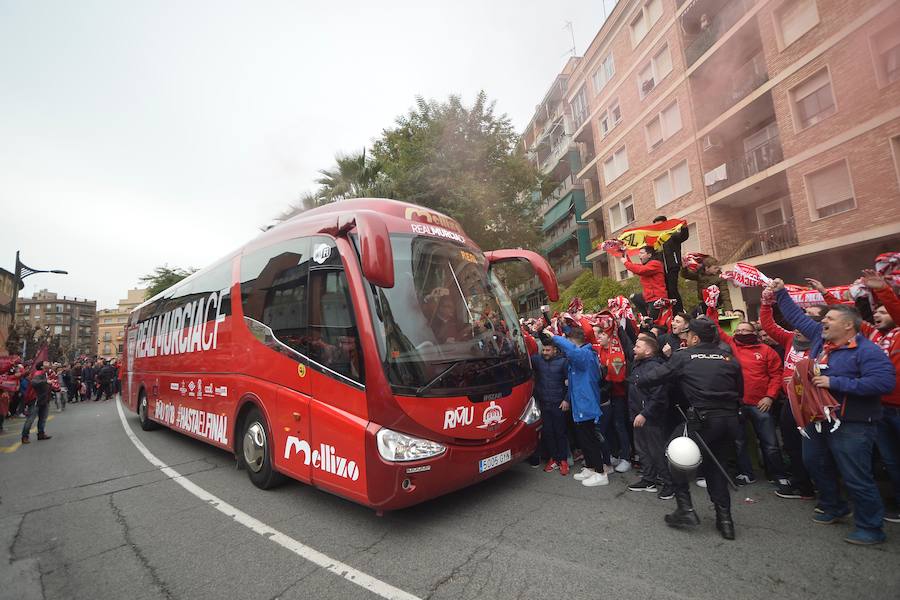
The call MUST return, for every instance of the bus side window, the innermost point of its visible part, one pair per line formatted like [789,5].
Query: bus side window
[333,337]
[273,290]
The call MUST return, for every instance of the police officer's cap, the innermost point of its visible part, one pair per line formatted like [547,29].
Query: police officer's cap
[704,328]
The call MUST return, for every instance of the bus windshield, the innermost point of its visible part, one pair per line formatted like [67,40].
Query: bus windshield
[447,326]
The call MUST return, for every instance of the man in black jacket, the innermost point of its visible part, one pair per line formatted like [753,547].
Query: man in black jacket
[647,408]
[87,377]
[671,259]
[713,386]
[106,375]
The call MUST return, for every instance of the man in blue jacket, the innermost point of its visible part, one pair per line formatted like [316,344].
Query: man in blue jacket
[585,376]
[550,371]
[857,373]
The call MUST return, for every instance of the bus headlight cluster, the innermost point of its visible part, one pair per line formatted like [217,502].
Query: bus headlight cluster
[532,413]
[399,447]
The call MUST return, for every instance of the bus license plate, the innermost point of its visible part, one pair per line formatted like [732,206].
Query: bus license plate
[486,464]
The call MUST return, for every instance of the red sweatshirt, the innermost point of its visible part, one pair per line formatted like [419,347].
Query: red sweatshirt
[785,339]
[653,278]
[888,340]
[760,366]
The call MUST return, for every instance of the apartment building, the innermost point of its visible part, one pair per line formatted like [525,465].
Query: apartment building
[73,319]
[548,143]
[7,289]
[111,324]
[771,127]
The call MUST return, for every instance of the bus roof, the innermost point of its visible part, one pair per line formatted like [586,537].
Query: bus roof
[316,219]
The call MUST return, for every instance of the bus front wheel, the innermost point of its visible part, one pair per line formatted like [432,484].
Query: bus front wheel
[144,414]
[256,451]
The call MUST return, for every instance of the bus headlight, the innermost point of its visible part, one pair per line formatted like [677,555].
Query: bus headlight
[532,413]
[399,447]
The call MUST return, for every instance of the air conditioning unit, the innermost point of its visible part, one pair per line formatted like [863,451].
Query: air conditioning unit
[647,86]
[711,141]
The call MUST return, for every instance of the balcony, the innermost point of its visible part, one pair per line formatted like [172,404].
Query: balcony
[766,241]
[567,185]
[753,161]
[710,29]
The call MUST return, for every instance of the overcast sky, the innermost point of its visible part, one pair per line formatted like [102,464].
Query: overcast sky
[135,134]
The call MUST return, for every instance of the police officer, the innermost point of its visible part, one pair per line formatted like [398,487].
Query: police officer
[711,382]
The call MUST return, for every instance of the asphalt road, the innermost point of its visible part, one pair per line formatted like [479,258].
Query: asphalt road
[85,515]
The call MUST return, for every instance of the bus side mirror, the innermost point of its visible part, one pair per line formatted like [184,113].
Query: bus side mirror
[375,247]
[540,265]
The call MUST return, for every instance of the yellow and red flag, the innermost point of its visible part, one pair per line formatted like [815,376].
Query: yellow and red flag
[634,238]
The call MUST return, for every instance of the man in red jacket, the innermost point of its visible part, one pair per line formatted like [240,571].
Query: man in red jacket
[761,368]
[652,275]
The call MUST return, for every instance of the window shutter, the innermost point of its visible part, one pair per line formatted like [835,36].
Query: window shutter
[681,179]
[830,185]
[811,85]
[663,189]
[663,62]
[671,118]
[654,132]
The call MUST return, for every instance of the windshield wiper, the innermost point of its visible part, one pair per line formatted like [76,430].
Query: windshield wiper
[421,390]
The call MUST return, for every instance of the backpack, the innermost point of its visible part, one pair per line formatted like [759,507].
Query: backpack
[811,404]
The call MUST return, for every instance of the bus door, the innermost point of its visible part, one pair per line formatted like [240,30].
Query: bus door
[338,384]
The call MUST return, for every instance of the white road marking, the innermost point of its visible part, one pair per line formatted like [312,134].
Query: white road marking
[376,586]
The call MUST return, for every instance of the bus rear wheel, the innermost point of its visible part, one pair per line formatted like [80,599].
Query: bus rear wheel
[144,414]
[256,451]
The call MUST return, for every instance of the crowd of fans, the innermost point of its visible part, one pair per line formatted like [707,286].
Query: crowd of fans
[815,397]
[28,388]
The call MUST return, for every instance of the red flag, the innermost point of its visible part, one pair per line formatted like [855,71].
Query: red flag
[43,354]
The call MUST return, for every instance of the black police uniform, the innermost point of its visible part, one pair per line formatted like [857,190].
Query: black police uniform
[711,382]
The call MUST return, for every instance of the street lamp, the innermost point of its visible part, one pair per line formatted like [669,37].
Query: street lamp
[23,271]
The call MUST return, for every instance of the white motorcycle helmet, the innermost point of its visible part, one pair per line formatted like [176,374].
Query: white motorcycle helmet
[683,453]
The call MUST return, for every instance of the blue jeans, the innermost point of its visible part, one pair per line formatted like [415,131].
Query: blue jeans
[851,448]
[888,441]
[764,426]
[620,426]
[35,410]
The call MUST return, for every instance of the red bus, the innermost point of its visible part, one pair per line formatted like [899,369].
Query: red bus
[365,347]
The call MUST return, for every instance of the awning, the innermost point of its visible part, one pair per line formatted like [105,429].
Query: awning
[558,212]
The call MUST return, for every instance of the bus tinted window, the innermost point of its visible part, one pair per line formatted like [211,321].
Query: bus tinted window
[333,338]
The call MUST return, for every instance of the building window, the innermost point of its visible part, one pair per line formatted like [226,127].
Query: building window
[57,330]
[895,149]
[663,126]
[48,308]
[604,74]
[105,348]
[649,14]
[611,117]
[107,336]
[692,244]
[579,107]
[615,165]
[886,49]
[830,190]
[673,183]
[793,19]
[26,309]
[654,71]
[813,100]
[621,214]
[107,320]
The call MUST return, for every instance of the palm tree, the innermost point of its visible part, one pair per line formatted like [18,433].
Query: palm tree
[354,176]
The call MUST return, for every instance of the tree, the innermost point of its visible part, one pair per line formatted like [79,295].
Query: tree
[353,176]
[163,278]
[594,292]
[465,162]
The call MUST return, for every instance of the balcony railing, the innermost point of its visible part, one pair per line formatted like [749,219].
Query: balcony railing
[558,150]
[750,163]
[767,241]
[721,22]
[559,192]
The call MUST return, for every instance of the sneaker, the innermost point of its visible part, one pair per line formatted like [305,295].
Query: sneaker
[614,461]
[666,493]
[577,456]
[595,480]
[892,516]
[642,486]
[865,537]
[818,509]
[551,464]
[564,468]
[792,493]
[827,519]
[584,474]
[623,467]
[744,479]
[701,482]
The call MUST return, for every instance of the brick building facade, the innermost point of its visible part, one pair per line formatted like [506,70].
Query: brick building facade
[74,320]
[771,127]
